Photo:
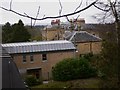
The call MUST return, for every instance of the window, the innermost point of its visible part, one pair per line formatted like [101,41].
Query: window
[24,58]
[31,58]
[76,45]
[44,57]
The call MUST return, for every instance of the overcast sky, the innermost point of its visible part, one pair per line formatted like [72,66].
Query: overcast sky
[48,8]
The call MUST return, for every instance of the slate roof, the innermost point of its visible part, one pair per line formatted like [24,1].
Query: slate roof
[98,27]
[68,35]
[43,46]
[10,75]
[82,36]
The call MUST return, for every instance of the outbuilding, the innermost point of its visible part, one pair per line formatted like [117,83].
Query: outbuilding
[38,58]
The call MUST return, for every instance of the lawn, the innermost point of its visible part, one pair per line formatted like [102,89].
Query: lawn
[81,83]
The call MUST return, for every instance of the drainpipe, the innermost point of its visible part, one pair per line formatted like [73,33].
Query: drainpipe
[48,76]
[91,47]
[74,41]
[46,34]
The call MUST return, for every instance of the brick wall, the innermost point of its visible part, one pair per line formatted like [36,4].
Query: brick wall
[46,66]
[84,48]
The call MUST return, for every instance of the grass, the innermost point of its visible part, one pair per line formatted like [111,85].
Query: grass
[81,83]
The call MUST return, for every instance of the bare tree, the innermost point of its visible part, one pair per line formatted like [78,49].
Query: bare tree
[112,8]
[50,17]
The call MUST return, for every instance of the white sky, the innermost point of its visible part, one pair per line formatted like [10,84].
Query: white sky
[48,8]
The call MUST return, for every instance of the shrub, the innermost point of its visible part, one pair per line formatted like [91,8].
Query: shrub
[31,80]
[72,68]
[88,56]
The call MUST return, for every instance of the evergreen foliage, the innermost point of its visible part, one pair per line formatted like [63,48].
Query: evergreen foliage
[6,33]
[69,69]
[15,33]
[31,80]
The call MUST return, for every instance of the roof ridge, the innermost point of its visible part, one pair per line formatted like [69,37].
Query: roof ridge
[84,36]
[73,35]
[94,36]
[35,43]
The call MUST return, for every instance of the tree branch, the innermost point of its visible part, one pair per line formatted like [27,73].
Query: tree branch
[26,14]
[15,12]
[113,8]
[104,17]
[31,23]
[51,17]
[101,8]
[10,4]
[77,17]
[78,6]
[67,19]
[37,15]
[60,11]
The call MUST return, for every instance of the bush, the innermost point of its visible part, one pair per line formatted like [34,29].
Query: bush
[31,80]
[88,56]
[69,69]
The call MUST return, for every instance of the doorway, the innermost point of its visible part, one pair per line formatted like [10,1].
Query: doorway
[35,72]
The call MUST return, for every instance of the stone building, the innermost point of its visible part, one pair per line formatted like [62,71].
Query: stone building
[52,34]
[84,42]
[38,58]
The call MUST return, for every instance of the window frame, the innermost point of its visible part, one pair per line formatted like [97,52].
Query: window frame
[44,57]
[31,58]
[24,58]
